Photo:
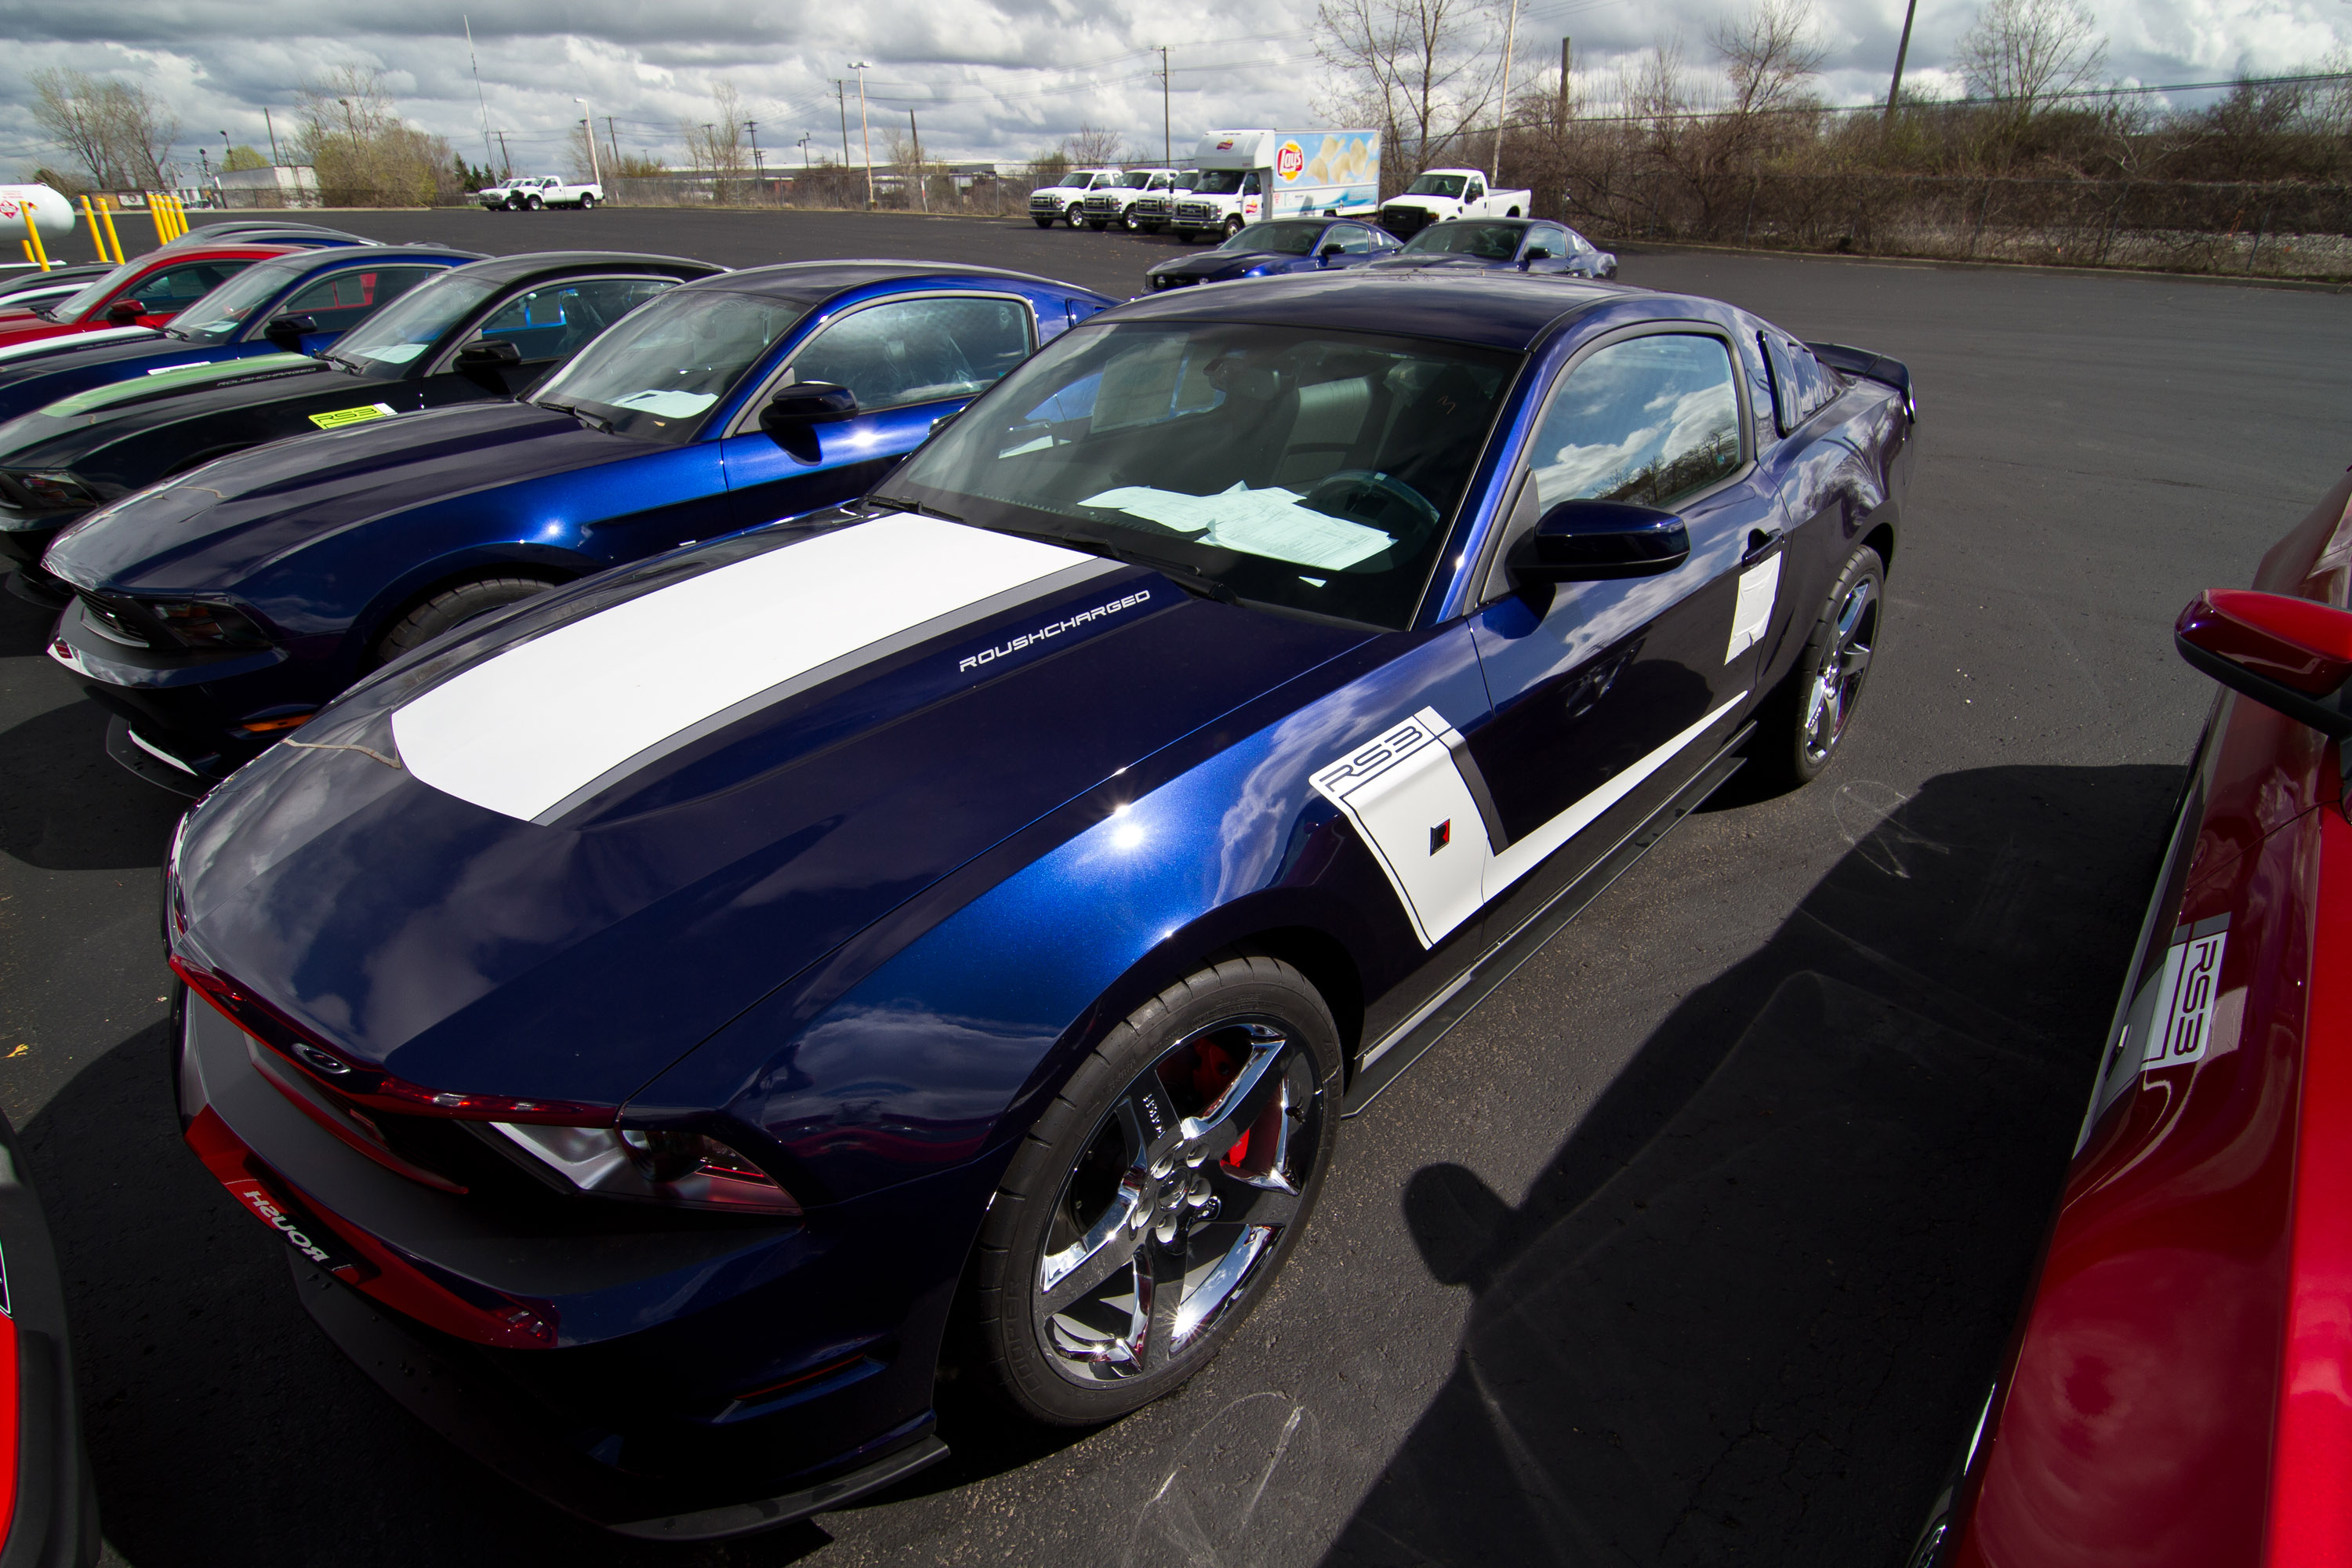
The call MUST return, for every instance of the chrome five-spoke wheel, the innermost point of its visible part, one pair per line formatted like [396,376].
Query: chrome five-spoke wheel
[1836,684]
[1183,1192]
[1155,1199]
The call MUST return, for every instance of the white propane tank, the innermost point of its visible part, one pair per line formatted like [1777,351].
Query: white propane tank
[53,212]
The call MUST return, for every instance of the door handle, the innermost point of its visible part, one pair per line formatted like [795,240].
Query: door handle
[1759,541]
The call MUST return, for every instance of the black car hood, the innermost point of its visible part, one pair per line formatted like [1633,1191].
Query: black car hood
[549,860]
[42,440]
[1220,263]
[210,530]
[1449,259]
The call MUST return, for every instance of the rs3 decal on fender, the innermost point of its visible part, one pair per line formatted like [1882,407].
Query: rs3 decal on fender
[1410,800]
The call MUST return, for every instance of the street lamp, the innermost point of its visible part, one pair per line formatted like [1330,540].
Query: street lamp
[865,130]
[588,130]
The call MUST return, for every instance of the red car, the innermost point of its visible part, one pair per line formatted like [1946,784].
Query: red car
[146,292]
[2178,1391]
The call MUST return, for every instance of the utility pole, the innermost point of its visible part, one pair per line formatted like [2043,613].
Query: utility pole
[804,145]
[1502,110]
[1566,58]
[1167,141]
[275,160]
[921,183]
[757,167]
[1901,50]
[478,97]
[588,135]
[506,164]
[865,129]
[840,91]
[613,138]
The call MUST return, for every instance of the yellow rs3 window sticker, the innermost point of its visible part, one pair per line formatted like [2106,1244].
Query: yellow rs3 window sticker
[336,420]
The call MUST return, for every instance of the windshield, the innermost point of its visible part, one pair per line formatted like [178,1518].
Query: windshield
[658,370]
[1437,186]
[384,344]
[1290,237]
[1134,180]
[84,300]
[216,317]
[1217,181]
[1314,469]
[1491,241]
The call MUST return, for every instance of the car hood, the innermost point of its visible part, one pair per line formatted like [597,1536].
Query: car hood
[207,530]
[1421,263]
[54,434]
[30,357]
[548,860]
[1220,263]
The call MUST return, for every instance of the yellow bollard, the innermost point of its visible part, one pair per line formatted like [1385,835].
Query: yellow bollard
[155,215]
[179,217]
[89,216]
[106,211]
[33,240]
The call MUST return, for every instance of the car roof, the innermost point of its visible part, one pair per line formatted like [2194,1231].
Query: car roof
[530,263]
[803,281]
[1503,311]
[343,255]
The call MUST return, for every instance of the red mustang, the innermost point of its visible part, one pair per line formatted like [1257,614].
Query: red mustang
[146,292]
[2179,1389]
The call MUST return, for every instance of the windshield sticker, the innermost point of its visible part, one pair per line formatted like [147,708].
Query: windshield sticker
[667,404]
[2186,994]
[1268,522]
[392,354]
[336,420]
[1752,616]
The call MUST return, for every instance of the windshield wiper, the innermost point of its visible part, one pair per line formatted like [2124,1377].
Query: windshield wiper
[1192,580]
[595,422]
[46,312]
[340,363]
[916,507]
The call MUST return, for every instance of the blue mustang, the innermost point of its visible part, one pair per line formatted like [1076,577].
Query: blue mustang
[1278,247]
[677,1006]
[1494,244]
[296,303]
[217,611]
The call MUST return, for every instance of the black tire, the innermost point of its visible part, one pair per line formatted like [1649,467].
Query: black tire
[1233,225]
[1798,732]
[447,608]
[1074,215]
[514,203]
[587,201]
[535,203]
[1244,1043]
[1132,223]
[1041,222]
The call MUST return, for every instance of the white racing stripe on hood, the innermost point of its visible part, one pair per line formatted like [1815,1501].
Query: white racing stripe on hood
[526,730]
[64,341]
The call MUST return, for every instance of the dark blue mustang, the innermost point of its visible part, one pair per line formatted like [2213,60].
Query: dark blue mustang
[296,303]
[215,612]
[673,1008]
[1494,245]
[1278,247]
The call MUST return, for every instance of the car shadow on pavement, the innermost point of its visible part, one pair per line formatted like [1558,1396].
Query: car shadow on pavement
[65,805]
[1750,1308]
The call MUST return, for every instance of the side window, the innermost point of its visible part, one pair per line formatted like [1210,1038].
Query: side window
[1249,183]
[1553,240]
[918,350]
[345,300]
[1648,420]
[175,289]
[557,321]
[1350,239]
[1478,189]
[1800,388]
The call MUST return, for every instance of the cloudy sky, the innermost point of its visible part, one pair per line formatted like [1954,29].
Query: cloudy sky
[987,77]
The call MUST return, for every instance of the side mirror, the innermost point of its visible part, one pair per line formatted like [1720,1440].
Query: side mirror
[2288,654]
[284,333]
[1534,253]
[792,414]
[488,354]
[1601,541]
[1328,251]
[123,313]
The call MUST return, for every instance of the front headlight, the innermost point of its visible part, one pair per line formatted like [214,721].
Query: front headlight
[690,1170]
[201,624]
[50,490]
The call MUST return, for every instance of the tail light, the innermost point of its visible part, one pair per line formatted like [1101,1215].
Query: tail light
[688,1170]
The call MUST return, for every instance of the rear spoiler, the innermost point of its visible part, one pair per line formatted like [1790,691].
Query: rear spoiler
[1893,373]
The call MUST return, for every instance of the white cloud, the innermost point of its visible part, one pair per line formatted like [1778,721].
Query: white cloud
[987,77]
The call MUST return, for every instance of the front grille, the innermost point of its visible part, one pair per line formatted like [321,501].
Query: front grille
[1151,207]
[1195,211]
[1405,222]
[1043,202]
[112,625]
[1100,203]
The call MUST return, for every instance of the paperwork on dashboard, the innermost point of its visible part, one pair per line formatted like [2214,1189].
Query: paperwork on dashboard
[1268,522]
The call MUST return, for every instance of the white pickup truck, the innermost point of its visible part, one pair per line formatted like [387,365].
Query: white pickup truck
[1066,202]
[533,192]
[1443,194]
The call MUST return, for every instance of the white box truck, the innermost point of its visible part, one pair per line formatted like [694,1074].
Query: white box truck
[1241,176]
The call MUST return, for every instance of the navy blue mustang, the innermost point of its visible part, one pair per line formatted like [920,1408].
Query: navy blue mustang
[1278,247]
[216,612]
[1526,244]
[297,303]
[677,1006]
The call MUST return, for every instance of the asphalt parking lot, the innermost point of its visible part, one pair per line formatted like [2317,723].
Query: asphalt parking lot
[1695,1244]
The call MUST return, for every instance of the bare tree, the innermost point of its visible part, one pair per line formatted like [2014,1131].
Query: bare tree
[1093,149]
[2025,52]
[348,130]
[1426,72]
[118,134]
[1770,54]
[715,146]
